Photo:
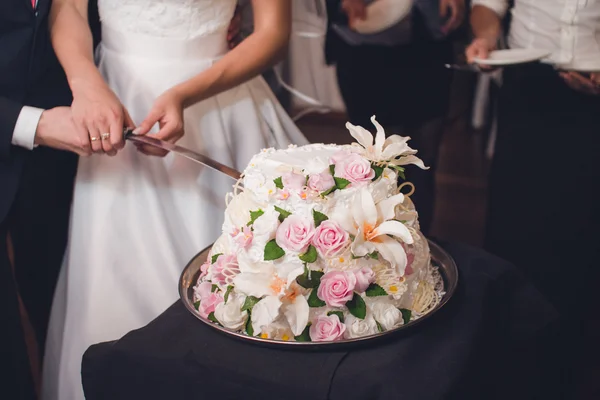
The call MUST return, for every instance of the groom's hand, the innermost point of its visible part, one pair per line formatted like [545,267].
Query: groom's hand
[97,112]
[57,129]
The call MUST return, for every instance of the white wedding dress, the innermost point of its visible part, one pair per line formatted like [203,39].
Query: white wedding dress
[137,220]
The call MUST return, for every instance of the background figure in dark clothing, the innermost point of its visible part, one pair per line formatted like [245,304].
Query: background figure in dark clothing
[403,82]
[544,192]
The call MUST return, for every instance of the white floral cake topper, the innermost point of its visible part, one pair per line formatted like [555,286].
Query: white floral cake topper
[320,245]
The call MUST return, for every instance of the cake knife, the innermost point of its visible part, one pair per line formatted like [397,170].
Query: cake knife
[182,151]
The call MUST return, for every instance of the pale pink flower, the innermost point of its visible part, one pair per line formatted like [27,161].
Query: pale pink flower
[209,303]
[364,277]
[321,182]
[337,288]
[355,168]
[224,270]
[295,233]
[204,269]
[294,181]
[330,239]
[244,237]
[327,329]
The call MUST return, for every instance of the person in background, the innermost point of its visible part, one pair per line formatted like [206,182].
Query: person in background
[400,77]
[543,212]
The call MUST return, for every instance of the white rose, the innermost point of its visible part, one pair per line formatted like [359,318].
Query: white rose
[356,327]
[386,314]
[229,314]
[237,212]
[266,225]
[259,186]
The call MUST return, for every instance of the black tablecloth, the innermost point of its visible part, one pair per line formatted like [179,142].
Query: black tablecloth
[481,345]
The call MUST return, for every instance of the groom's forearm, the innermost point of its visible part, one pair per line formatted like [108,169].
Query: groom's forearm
[72,41]
[263,48]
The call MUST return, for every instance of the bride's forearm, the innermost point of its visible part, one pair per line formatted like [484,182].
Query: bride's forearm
[254,55]
[72,41]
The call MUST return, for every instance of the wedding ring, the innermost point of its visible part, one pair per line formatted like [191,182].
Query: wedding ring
[105,136]
[93,139]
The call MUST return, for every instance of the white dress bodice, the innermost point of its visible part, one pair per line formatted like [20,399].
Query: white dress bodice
[181,19]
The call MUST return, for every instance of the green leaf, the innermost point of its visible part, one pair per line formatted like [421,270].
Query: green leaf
[357,306]
[319,217]
[378,171]
[249,303]
[214,288]
[273,251]
[406,314]
[197,305]
[211,317]
[314,300]
[309,279]
[401,175]
[249,329]
[215,258]
[282,213]
[341,183]
[375,290]
[379,327]
[254,215]
[305,335]
[229,289]
[310,256]
[399,170]
[339,314]
[332,169]
[325,193]
[278,183]
[374,255]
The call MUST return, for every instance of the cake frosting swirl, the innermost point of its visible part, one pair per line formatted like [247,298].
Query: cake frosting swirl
[320,243]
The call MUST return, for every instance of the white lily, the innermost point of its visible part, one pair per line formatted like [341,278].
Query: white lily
[393,150]
[276,287]
[372,224]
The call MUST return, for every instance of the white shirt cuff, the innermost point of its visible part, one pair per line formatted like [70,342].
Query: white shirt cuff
[500,7]
[26,126]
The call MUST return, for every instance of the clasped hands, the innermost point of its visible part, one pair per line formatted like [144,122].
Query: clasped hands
[95,121]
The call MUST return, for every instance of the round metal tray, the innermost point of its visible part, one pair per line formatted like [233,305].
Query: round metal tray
[439,257]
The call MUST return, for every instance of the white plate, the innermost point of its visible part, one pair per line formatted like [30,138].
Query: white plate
[382,14]
[513,56]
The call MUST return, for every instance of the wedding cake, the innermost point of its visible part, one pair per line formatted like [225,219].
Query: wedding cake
[320,243]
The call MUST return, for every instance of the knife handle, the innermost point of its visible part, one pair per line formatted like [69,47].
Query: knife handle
[127,132]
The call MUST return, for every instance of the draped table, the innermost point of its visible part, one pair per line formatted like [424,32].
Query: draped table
[482,344]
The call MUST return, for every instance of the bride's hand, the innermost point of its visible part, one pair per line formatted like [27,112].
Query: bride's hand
[168,112]
[97,111]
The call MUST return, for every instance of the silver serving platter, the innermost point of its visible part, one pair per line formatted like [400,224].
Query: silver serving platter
[439,257]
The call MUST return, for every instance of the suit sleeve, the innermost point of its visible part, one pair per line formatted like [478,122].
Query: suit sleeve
[9,114]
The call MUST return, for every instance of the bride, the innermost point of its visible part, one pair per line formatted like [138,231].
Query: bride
[137,220]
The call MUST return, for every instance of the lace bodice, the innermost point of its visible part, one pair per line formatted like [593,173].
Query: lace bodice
[167,18]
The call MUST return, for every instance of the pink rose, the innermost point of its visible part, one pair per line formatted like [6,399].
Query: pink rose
[224,270]
[244,237]
[202,290]
[364,277]
[327,329]
[339,156]
[321,182]
[355,168]
[337,288]
[292,180]
[295,233]
[330,239]
[209,303]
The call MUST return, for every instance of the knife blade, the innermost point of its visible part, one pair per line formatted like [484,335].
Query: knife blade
[182,151]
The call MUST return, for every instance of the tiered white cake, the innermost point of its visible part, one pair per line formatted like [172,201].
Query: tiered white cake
[320,244]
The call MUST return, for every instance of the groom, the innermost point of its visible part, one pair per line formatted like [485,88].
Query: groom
[39,144]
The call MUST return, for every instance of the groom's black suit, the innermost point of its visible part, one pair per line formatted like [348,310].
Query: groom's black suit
[35,187]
